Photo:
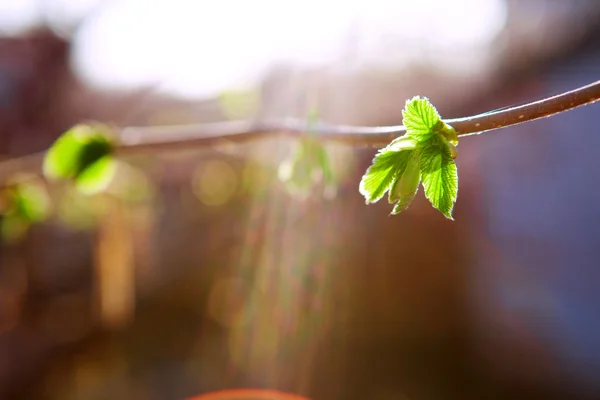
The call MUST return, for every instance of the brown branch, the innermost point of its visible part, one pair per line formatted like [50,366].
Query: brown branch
[140,139]
[527,112]
[134,139]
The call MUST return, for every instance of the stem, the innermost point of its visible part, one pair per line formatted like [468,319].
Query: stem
[133,139]
[140,139]
[528,112]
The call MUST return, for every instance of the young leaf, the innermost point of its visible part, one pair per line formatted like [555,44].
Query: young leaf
[309,165]
[31,202]
[97,176]
[403,142]
[420,118]
[74,150]
[62,159]
[387,165]
[25,203]
[325,165]
[83,154]
[439,174]
[406,185]
[307,168]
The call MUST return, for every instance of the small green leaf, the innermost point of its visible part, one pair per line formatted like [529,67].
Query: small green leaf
[325,165]
[440,175]
[74,150]
[97,176]
[31,202]
[420,118]
[309,164]
[83,154]
[24,203]
[387,165]
[405,186]
[62,160]
[404,142]
[307,167]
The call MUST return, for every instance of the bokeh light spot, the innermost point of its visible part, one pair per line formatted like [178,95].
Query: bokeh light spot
[214,182]
[239,104]
[226,303]
[248,394]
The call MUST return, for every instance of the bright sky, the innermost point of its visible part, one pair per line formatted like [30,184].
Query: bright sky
[228,43]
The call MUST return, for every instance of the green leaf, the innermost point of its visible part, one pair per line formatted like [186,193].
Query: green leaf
[405,186]
[403,142]
[380,175]
[440,175]
[82,154]
[389,163]
[420,118]
[30,202]
[325,165]
[24,203]
[75,150]
[307,167]
[97,176]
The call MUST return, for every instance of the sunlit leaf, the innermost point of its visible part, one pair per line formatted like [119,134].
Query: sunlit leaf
[387,165]
[308,166]
[420,118]
[406,185]
[78,150]
[97,176]
[31,202]
[440,176]
[23,204]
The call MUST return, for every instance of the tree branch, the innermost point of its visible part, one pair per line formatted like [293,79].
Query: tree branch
[528,112]
[140,139]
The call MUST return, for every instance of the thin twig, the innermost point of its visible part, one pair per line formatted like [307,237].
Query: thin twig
[133,139]
[140,139]
[528,112]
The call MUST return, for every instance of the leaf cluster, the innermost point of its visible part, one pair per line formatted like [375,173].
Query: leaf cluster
[424,155]
[82,154]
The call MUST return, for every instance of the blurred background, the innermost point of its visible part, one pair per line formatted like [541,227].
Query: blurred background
[207,272]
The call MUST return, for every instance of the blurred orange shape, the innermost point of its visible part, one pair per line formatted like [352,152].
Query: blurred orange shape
[248,394]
